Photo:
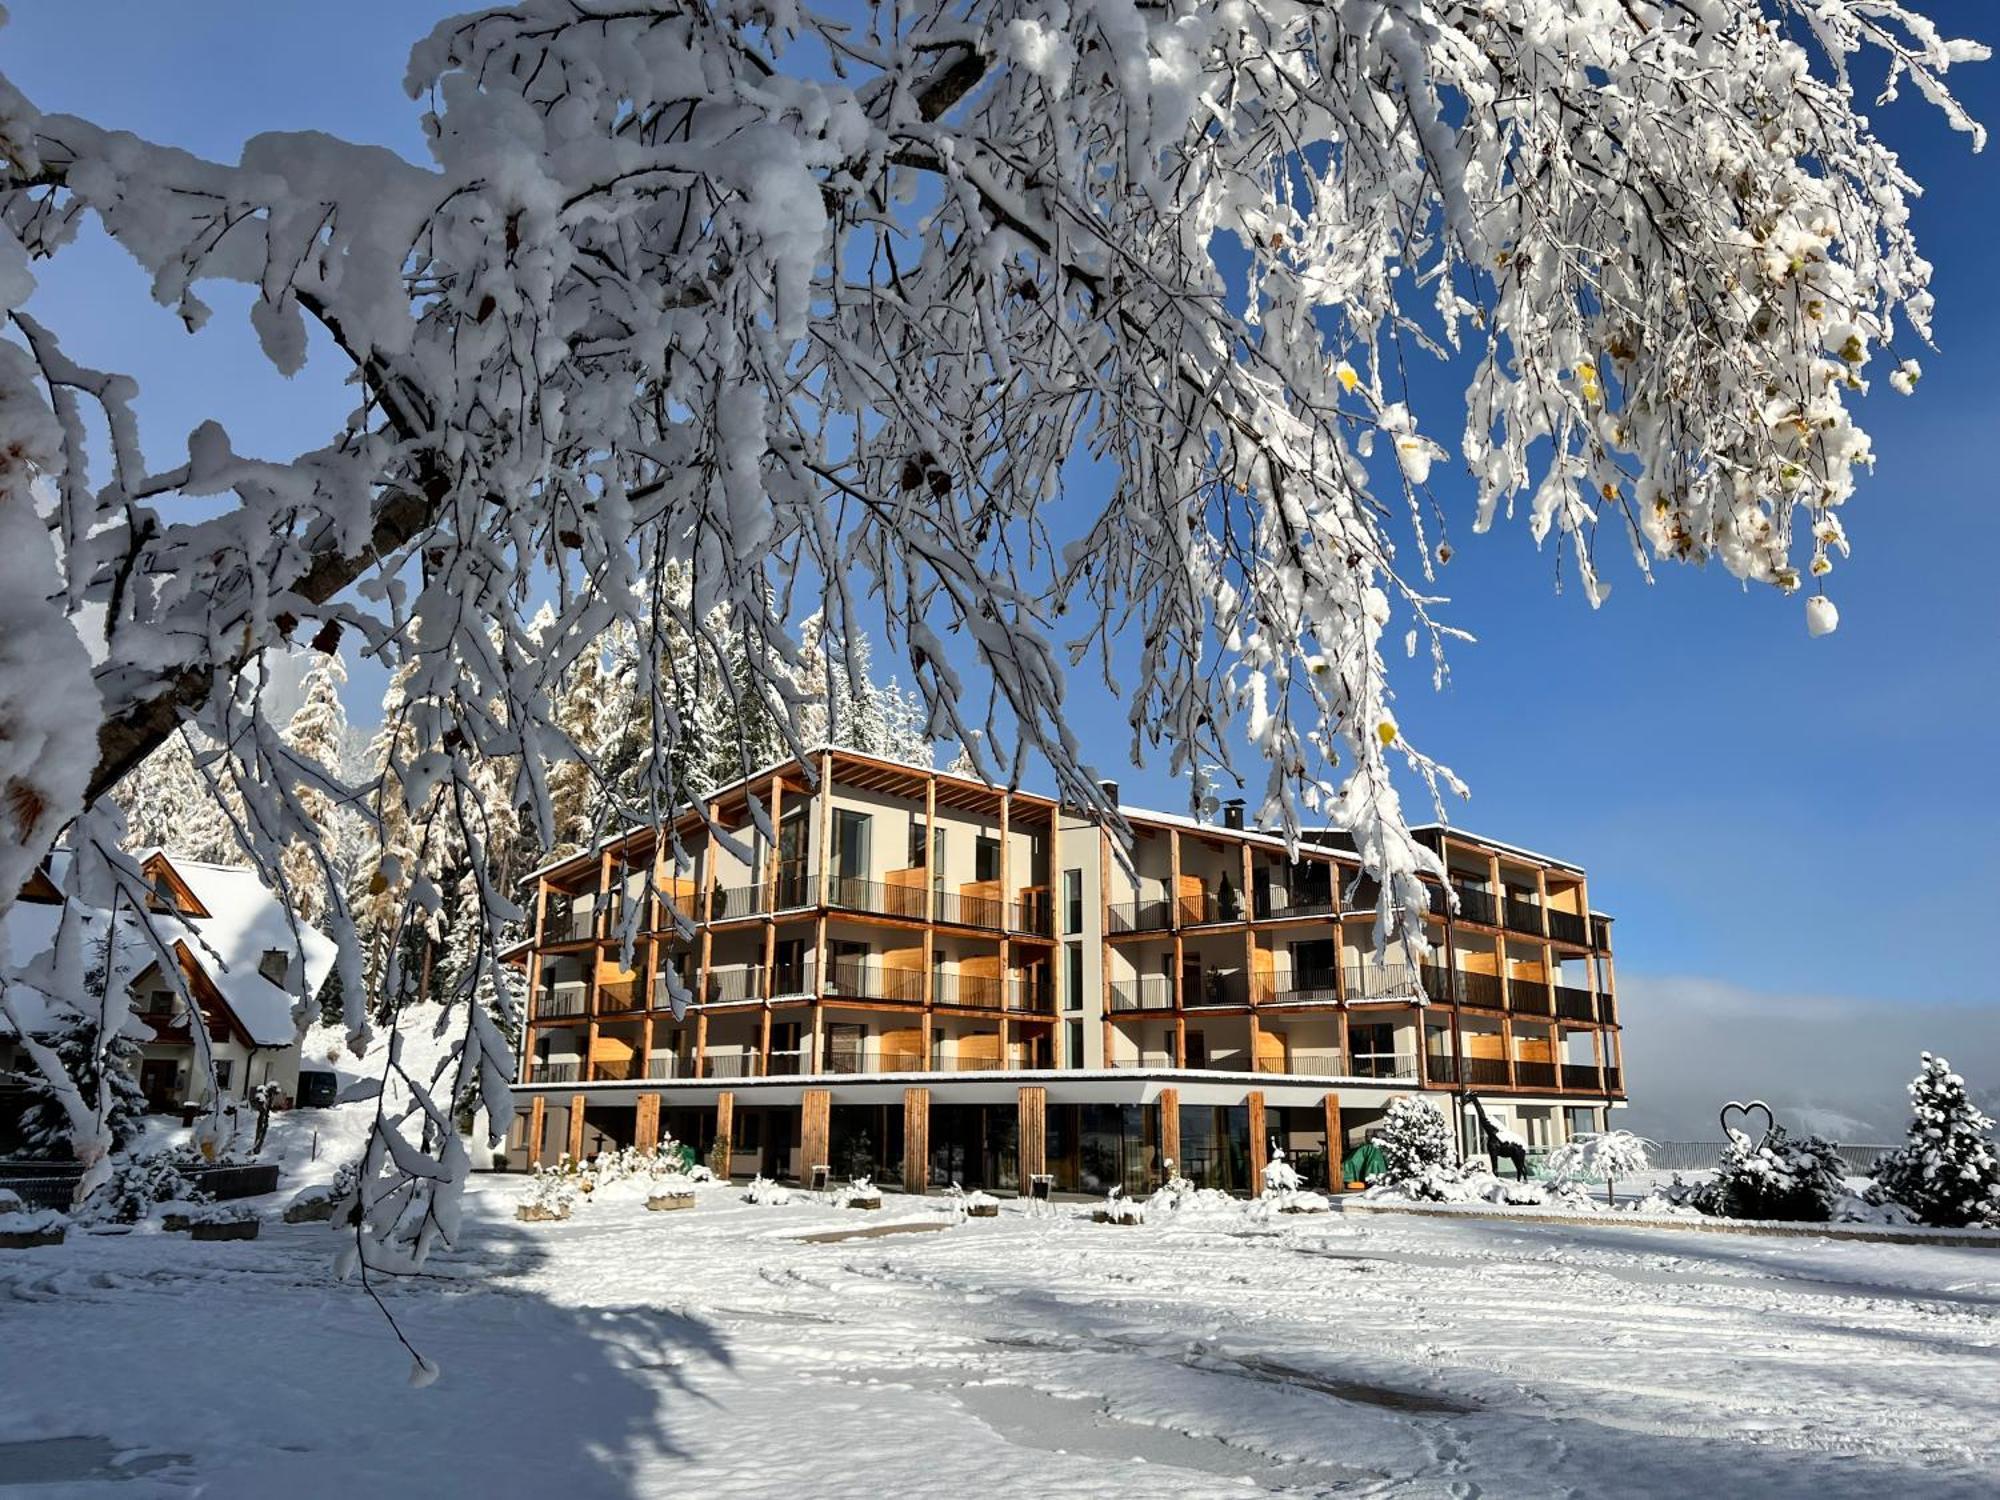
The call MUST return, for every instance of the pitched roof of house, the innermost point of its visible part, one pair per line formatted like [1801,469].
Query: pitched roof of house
[242,921]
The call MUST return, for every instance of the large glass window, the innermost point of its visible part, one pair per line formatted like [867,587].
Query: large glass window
[1072,901]
[1073,976]
[986,858]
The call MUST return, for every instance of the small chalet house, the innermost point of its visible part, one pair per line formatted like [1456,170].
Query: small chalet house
[239,957]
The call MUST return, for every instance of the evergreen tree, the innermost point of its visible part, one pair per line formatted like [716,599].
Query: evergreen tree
[168,804]
[44,1125]
[1947,1172]
[1778,1178]
[1414,1139]
[317,732]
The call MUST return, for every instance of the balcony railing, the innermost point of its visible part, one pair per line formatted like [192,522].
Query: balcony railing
[731,1065]
[1607,1008]
[1535,1075]
[555,1072]
[1567,927]
[1486,1072]
[618,995]
[1600,935]
[1523,916]
[871,979]
[1033,913]
[967,991]
[1272,905]
[1147,992]
[1574,1004]
[1200,907]
[1036,997]
[571,926]
[1476,906]
[1155,1061]
[877,898]
[978,1063]
[1305,1065]
[1530,997]
[1614,1080]
[1402,1065]
[1580,1076]
[847,1063]
[725,986]
[970,909]
[1138,916]
[620,1071]
[1218,989]
[728,902]
[555,1004]
[669,1065]
[1382,982]
[1305,987]
[1443,984]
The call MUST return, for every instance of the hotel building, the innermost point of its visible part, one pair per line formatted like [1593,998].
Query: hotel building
[927,980]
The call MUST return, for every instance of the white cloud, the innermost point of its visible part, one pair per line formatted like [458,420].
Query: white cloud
[1838,1066]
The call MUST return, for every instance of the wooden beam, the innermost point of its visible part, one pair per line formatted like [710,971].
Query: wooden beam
[1336,1143]
[1260,1151]
[646,1131]
[815,1131]
[916,1140]
[575,1142]
[1032,1111]
[1170,1130]
[725,1131]
[538,1117]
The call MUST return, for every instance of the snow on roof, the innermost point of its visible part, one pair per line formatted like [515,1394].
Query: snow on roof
[245,921]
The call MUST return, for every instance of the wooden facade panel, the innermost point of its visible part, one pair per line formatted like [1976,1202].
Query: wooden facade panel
[916,1140]
[815,1126]
[575,1143]
[725,1131]
[1260,1143]
[1170,1128]
[646,1127]
[538,1114]
[1033,1119]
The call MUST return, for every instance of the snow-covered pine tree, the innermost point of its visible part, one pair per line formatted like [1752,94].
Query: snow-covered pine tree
[1947,1173]
[169,805]
[45,1125]
[317,732]
[1413,1138]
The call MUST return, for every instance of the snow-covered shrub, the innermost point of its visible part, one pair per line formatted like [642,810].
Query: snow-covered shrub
[1280,1176]
[1605,1157]
[763,1190]
[138,1183]
[1947,1173]
[1118,1209]
[22,1228]
[975,1204]
[1413,1139]
[1783,1179]
[552,1193]
[860,1193]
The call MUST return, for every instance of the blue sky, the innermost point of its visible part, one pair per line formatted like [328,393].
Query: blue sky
[1771,812]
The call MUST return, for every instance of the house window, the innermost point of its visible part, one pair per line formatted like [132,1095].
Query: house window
[1072,901]
[1073,976]
[160,1003]
[920,842]
[1073,1047]
[224,1069]
[275,965]
[986,859]
[850,844]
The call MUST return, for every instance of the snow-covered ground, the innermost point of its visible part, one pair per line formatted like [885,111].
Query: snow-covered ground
[722,1352]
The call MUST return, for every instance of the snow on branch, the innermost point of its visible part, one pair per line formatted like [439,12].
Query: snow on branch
[760,293]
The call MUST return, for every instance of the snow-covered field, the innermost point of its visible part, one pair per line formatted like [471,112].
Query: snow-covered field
[719,1352]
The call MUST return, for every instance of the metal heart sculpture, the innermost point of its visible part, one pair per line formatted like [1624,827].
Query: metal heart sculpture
[1746,1110]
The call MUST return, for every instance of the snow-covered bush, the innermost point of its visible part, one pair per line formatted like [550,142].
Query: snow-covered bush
[859,1193]
[763,1190]
[1280,1176]
[1414,1140]
[45,1125]
[1781,1178]
[139,1183]
[1604,1157]
[552,1193]
[1947,1173]
[1118,1209]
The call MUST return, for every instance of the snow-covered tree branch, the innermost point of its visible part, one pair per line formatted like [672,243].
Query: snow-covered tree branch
[759,295]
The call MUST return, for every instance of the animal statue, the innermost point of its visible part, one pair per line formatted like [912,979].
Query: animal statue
[1501,1143]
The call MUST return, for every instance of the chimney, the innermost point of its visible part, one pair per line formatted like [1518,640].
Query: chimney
[1110,790]
[1232,814]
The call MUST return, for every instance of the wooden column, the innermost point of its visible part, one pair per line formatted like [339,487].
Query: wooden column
[1336,1144]
[646,1131]
[575,1142]
[1260,1150]
[815,1131]
[1033,1115]
[916,1140]
[1170,1129]
[725,1130]
[538,1115]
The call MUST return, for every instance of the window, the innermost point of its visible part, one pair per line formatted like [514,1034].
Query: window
[920,843]
[275,965]
[1072,901]
[850,844]
[789,967]
[1073,976]
[1073,1045]
[986,859]
[224,1067]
